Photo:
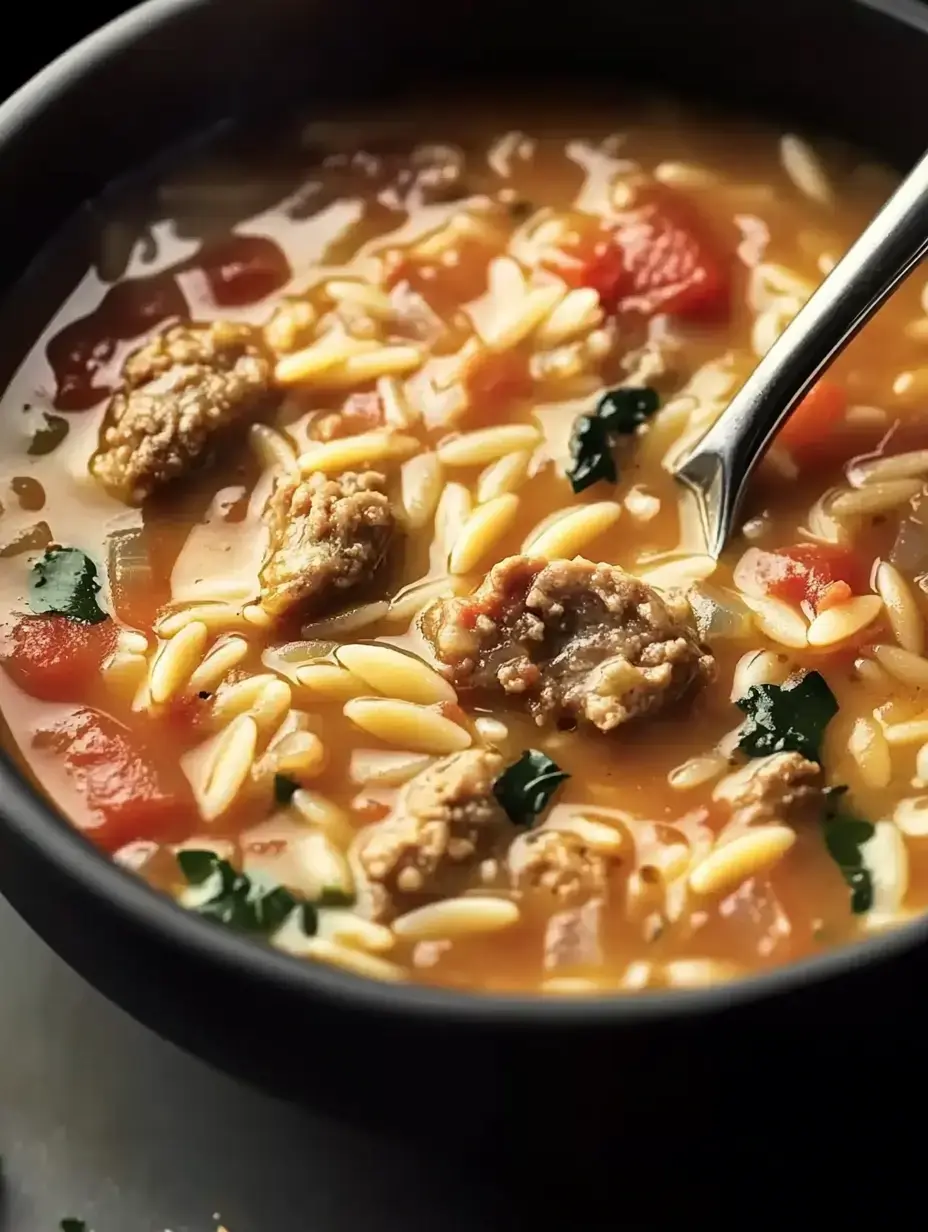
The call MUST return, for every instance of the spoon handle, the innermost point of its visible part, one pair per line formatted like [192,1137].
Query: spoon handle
[887,251]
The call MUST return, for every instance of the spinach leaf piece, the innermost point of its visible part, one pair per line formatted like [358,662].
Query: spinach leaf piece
[787,718]
[525,788]
[619,412]
[64,583]
[49,436]
[237,901]
[845,837]
[625,409]
[284,788]
[334,896]
[241,902]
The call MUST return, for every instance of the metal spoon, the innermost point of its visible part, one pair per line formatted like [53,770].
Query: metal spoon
[886,253]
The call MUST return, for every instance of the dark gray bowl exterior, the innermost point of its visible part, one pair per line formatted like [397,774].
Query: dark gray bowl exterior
[488,1070]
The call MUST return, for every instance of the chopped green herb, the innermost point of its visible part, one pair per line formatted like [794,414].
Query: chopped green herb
[242,902]
[789,717]
[525,788]
[618,413]
[72,1225]
[64,583]
[845,837]
[334,896]
[309,919]
[623,410]
[591,451]
[284,788]
[49,436]
[197,866]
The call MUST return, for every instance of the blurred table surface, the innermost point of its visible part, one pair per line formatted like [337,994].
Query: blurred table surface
[102,1121]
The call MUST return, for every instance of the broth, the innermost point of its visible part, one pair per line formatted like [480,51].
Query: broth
[248,716]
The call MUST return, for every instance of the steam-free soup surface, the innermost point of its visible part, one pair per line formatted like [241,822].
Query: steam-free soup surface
[347,596]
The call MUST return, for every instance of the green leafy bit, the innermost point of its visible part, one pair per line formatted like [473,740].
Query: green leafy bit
[624,410]
[525,788]
[591,451]
[69,1224]
[64,583]
[284,788]
[620,412]
[787,718]
[242,902]
[334,896]
[237,900]
[49,436]
[845,837]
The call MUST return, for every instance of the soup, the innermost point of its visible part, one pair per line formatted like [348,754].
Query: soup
[348,597]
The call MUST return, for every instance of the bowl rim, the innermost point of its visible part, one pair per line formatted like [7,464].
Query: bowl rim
[45,829]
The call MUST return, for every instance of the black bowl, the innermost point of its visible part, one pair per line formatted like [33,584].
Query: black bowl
[455,1067]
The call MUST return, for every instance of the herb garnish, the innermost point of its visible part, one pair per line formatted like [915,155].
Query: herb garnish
[525,788]
[69,1224]
[238,901]
[49,436]
[618,413]
[334,896]
[284,788]
[242,902]
[64,583]
[787,718]
[845,837]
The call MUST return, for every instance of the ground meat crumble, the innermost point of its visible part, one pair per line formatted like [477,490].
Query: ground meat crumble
[577,641]
[445,822]
[179,390]
[327,536]
[781,787]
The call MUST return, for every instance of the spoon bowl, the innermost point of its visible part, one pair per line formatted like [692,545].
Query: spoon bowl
[893,244]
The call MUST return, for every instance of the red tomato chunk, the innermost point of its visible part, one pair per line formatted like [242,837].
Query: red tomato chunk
[132,792]
[655,259]
[807,430]
[807,573]
[54,658]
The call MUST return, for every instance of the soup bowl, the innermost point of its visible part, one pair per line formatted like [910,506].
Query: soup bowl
[483,1069]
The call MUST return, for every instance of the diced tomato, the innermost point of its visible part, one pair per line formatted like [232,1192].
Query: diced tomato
[657,258]
[806,573]
[52,657]
[239,270]
[132,792]
[813,420]
[79,352]
[242,269]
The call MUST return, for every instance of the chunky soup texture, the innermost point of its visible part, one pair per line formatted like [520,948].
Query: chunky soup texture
[347,596]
